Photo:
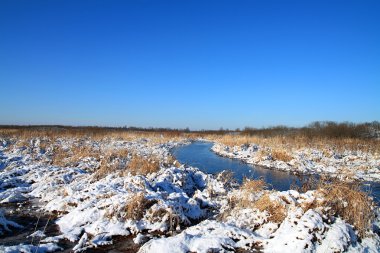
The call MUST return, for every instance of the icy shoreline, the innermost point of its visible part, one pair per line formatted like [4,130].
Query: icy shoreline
[174,209]
[350,164]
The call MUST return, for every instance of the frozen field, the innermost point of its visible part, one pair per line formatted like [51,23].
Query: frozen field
[89,193]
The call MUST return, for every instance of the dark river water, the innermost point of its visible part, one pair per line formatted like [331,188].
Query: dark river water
[199,154]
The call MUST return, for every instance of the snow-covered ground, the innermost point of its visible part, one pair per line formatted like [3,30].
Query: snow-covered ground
[174,209]
[354,164]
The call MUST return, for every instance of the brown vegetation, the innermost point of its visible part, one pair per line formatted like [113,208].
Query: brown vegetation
[170,161]
[324,136]
[320,135]
[320,129]
[139,165]
[75,153]
[95,133]
[136,206]
[167,215]
[348,201]
[281,155]
[253,186]
[110,162]
[341,198]
[276,211]
[106,168]
[291,143]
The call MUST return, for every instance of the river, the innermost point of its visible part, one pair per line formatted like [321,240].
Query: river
[199,154]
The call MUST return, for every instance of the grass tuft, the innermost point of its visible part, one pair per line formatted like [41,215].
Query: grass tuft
[136,206]
[347,200]
[281,155]
[253,186]
[276,211]
[140,165]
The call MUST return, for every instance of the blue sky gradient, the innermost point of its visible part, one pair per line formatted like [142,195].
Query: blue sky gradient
[197,64]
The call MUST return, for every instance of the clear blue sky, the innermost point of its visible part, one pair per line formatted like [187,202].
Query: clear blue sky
[197,64]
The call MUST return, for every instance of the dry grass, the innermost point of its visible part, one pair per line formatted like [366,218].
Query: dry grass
[136,206]
[281,155]
[262,154]
[75,153]
[82,151]
[106,168]
[94,133]
[113,161]
[248,188]
[341,198]
[171,161]
[228,179]
[134,209]
[165,214]
[59,156]
[300,142]
[110,160]
[116,161]
[349,202]
[323,136]
[253,186]
[139,165]
[276,211]
[307,183]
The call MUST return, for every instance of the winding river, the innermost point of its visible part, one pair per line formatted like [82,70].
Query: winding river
[198,154]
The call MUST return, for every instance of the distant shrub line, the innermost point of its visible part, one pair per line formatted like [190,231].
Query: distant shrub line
[319,129]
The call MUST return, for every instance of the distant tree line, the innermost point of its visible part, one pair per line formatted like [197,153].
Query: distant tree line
[323,129]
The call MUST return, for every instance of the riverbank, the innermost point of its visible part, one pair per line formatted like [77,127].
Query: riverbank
[99,191]
[346,164]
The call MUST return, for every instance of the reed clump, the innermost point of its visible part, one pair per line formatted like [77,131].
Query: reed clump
[111,162]
[341,198]
[136,206]
[281,155]
[253,186]
[260,200]
[347,200]
[141,165]
[276,211]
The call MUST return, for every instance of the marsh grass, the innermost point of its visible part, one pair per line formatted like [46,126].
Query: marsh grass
[261,201]
[59,156]
[93,133]
[335,198]
[228,179]
[136,206]
[113,161]
[277,211]
[167,215]
[292,143]
[110,161]
[125,162]
[141,165]
[171,161]
[253,186]
[347,200]
[281,155]
[107,167]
